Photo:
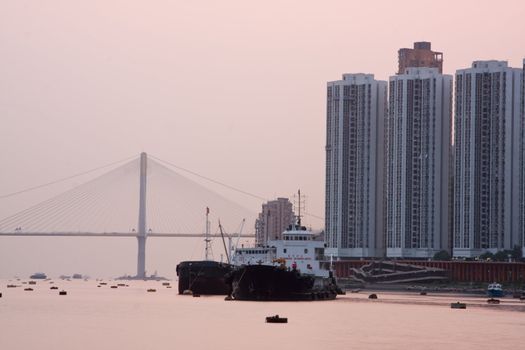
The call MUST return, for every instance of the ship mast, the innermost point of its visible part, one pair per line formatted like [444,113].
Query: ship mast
[207,240]
[299,214]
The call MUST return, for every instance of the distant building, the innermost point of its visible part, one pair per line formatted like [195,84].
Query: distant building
[489,164]
[418,161]
[420,56]
[356,111]
[274,218]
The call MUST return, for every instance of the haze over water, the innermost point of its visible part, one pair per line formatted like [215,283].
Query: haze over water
[131,318]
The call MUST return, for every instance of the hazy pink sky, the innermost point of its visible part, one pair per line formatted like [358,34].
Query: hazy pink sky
[232,89]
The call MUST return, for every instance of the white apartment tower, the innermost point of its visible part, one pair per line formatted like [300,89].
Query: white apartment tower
[522,192]
[488,186]
[418,161]
[356,111]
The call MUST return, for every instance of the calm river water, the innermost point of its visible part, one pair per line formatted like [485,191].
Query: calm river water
[92,317]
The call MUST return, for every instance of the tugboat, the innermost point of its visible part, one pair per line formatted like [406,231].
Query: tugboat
[206,276]
[288,269]
[494,290]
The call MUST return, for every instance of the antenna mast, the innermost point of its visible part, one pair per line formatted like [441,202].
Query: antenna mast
[207,240]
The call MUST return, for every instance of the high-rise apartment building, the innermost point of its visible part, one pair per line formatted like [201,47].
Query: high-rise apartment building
[418,161]
[522,182]
[274,218]
[420,56]
[356,111]
[488,185]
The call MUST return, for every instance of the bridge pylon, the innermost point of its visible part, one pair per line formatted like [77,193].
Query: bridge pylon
[141,229]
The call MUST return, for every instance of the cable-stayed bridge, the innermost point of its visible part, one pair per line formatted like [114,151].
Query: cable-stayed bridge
[144,197]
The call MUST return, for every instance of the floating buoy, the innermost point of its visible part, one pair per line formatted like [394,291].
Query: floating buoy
[458,305]
[276,319]
[372,296]
[62,292]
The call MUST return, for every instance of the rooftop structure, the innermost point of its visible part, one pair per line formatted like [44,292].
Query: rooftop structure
[420,56]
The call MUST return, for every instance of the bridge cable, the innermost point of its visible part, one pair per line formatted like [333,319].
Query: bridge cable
[63,179]
[223,184]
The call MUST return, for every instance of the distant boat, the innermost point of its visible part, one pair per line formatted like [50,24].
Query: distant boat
[494,290]
[38,276]
[77,276]
[458,305]
[276,319]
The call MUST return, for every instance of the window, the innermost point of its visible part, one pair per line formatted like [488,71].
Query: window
[284,250]
[305,250]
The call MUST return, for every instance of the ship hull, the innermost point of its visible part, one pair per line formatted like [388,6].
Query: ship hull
[271,283]
[495,293]
[204,277]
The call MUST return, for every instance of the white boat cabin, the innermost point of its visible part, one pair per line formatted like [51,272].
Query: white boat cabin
[297,249]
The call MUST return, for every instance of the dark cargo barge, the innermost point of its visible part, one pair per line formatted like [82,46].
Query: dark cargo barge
[204,277]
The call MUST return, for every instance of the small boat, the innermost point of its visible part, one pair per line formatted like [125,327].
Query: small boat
[103,283]
[32,282]
[152,290]
[372,296]
[38,276]
[28,289]
[114,287]
[276,319]
[458,305]
[165,284]
[54,287]
[62,292]
[494,290]
[12,286]
[493,301]
[121,284]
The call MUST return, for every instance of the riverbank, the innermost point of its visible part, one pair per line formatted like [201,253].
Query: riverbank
[441,287]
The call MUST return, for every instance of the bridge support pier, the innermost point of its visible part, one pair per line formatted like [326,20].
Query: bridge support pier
[141,258]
